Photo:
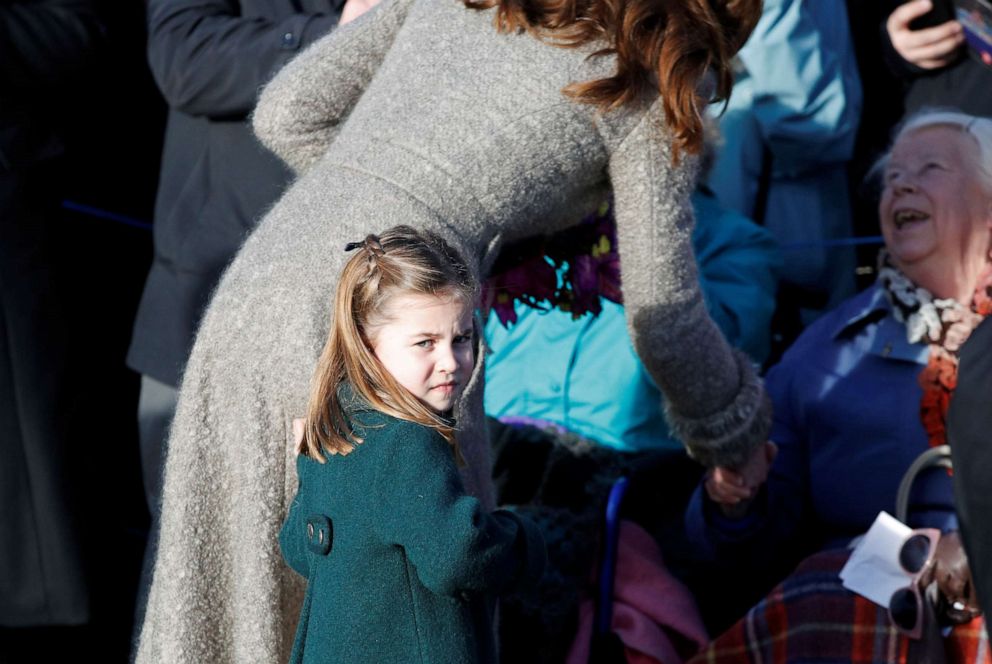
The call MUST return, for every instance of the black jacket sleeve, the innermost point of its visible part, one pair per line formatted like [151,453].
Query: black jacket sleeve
[43,43]
[209,60]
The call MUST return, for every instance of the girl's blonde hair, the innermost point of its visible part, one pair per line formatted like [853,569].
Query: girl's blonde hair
[400,261]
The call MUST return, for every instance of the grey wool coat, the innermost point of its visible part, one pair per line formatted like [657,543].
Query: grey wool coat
[418,113]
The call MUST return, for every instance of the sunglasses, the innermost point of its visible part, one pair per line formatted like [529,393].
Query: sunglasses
[916,556]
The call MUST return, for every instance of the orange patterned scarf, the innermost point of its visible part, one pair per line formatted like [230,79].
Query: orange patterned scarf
[943,324]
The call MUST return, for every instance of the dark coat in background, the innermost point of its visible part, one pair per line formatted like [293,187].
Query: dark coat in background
[210,58]
[44,45]
[964,85]
[969,431]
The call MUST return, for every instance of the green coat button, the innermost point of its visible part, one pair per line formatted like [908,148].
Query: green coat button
[319,534]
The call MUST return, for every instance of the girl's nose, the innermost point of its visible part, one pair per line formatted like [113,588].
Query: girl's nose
[447,361]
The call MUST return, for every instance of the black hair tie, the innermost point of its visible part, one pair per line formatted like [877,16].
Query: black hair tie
[371,244]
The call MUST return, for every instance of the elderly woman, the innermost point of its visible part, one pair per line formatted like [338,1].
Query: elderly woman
[861,394]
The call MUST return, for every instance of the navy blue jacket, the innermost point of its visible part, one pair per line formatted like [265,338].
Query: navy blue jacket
[847,424]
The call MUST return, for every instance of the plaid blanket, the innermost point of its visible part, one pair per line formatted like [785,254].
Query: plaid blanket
[810,617]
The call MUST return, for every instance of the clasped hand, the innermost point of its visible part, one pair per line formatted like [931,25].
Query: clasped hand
[733,489]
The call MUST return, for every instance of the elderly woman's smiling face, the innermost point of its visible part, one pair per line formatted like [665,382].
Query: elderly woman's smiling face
[935,214]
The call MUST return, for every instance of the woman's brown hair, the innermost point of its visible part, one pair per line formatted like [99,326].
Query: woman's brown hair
[664,46]
[400,261]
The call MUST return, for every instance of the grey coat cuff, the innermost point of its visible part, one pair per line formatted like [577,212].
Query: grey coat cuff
[727,437]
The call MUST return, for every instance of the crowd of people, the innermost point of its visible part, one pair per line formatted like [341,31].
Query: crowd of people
[433,278]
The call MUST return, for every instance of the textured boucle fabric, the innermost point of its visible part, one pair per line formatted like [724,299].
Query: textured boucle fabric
[418,113]
[721,431]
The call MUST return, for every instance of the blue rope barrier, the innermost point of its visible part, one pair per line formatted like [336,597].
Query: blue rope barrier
[791,246]
[836,242]
[104,214]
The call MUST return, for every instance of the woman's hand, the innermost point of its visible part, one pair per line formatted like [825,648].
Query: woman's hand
[354,8]
[734,488]
[953,576]
[928,48]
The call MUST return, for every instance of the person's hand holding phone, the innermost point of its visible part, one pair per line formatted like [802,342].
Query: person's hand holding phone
[927,48]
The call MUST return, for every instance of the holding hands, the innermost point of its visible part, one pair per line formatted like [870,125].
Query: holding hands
[927,48]
[733,489]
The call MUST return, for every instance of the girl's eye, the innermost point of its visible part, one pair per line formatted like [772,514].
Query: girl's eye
[426,343]
[463,339]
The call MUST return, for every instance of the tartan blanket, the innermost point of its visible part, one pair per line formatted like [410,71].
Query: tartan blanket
[811,618]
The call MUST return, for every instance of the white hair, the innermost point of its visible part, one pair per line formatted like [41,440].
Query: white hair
[979,128]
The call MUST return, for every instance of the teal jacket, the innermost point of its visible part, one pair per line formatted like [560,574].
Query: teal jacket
[794,114]
[585,375]
[401,564]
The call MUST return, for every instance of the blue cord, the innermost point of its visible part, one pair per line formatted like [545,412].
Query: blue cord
[104,214]
[836,242]
[604,614]
[792,246]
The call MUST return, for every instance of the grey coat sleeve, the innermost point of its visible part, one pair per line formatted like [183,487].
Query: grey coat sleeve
[715,402]
[44,42]
[299,112]
[209,60]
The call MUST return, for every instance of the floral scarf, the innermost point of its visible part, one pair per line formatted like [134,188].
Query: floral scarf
[570,270]
[943,324]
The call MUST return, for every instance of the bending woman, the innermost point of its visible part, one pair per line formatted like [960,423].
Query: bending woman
[423,113]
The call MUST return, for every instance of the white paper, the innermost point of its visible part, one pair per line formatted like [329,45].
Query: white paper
[873,570]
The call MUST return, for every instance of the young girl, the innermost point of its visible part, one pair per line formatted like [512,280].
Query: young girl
[402,565]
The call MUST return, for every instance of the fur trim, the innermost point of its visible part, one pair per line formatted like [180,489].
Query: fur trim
[727,437]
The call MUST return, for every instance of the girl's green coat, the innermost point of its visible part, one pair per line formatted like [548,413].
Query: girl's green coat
[402,565]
